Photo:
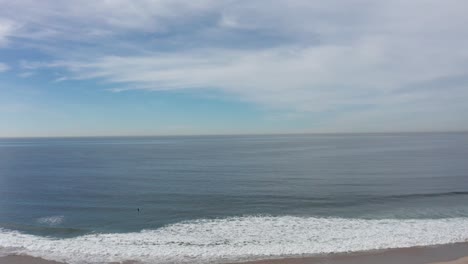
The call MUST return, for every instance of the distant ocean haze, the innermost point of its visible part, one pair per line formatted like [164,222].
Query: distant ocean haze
[211,198]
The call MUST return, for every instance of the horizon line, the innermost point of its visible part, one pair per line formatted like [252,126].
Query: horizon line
[239,134]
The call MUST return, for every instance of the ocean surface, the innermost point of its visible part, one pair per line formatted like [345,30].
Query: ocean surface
[205,199]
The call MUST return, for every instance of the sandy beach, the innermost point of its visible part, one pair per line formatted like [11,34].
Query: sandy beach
[444,254]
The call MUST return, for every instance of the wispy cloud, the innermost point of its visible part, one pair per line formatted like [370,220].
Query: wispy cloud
[91,20]
[301,56]
[4,67]
[26,74]
[6,30]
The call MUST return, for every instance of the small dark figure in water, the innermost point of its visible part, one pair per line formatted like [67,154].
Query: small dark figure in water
[138,209]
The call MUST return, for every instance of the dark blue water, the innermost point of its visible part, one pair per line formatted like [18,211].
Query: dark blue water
[72,186]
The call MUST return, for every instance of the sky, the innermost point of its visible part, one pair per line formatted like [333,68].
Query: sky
[171,67]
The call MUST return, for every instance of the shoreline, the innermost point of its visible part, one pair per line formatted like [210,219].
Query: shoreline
[456,253]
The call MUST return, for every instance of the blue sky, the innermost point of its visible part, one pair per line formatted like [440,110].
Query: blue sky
[84,68]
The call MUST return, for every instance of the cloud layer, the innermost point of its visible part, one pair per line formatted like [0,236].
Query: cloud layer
[366,60]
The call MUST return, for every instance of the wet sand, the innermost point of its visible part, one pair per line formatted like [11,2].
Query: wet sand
[14,259]
[25,260]
[446,254]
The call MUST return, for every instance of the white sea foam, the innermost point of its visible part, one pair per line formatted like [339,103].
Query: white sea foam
[51,220]
[240,238]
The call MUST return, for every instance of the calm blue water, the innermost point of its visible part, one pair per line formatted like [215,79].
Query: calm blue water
[67,187]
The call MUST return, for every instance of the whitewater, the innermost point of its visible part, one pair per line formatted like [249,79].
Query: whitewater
[239,238]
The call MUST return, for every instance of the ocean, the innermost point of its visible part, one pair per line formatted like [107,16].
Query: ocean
[211,199]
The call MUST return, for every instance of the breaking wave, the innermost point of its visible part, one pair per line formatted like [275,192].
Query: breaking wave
[239,238]
[51,220]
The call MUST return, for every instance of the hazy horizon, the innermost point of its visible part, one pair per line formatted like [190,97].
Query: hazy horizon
[238,134]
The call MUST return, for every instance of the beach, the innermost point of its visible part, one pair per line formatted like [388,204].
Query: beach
[442,254]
